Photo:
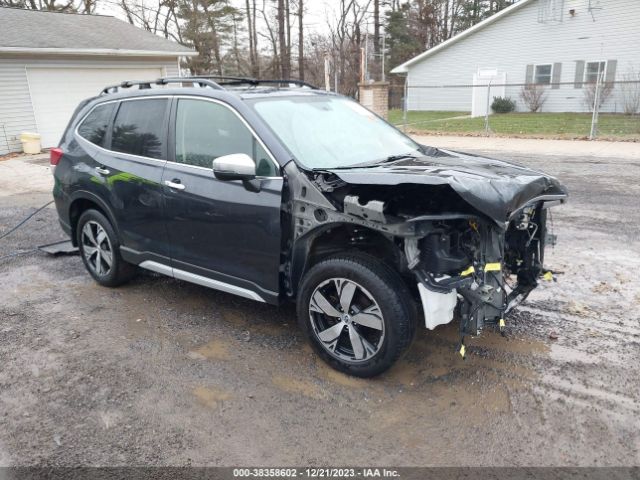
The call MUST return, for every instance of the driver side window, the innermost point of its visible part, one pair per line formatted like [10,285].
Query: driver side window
[207,130]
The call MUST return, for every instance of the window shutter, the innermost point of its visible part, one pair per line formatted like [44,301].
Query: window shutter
[579,74]
[557,75]
[528,79]
[610,76]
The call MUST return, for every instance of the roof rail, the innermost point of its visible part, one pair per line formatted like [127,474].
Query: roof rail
[204,81]
[145,84]
[225,78]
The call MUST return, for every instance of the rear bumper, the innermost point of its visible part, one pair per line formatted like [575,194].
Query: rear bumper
[66,228]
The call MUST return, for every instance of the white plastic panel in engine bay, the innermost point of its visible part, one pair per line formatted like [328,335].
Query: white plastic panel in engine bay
[438,307]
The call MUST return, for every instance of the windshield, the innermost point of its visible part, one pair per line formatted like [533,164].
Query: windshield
[332,132]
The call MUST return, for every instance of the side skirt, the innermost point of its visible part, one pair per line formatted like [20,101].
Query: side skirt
[200,280]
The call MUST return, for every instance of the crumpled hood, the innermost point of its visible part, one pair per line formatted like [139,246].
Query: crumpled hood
[493,187]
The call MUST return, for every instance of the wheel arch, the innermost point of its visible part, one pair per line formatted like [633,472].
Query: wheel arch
[338,237]
[82,201]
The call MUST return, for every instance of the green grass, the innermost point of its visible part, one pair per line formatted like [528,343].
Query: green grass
[537,125]
[395,116]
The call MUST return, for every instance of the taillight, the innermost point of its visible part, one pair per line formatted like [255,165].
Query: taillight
[55,156]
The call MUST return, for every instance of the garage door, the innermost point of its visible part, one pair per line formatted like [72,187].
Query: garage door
[56,92]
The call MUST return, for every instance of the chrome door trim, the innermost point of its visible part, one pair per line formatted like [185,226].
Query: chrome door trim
[150,159]
[200,280]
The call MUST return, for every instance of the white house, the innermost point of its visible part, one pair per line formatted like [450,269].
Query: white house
[49,62]
[558,43]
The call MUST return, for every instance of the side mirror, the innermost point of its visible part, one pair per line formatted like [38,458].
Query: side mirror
[237,166]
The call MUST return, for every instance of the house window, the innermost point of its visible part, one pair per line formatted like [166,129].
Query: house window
[542,74]
[593,70]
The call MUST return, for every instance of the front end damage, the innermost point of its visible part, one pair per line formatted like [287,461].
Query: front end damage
[475,266]
[470,243]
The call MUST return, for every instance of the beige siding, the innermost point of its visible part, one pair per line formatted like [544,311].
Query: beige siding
[518,39]
[172,69]
[16,114]
[16,110]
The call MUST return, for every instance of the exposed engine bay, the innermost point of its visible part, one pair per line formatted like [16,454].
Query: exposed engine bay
[467,233]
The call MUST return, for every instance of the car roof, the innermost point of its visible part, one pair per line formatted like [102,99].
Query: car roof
[232,90]
[231,94]
[239,87]
[261,92]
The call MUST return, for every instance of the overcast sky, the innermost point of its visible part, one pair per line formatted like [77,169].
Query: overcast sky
[316,11]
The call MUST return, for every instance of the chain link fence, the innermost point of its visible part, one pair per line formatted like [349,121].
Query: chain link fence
[568,110]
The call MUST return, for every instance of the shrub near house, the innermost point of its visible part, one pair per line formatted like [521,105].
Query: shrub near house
[503,105]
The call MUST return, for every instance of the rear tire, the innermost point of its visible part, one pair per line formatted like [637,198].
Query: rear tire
[100,250]
[357,313]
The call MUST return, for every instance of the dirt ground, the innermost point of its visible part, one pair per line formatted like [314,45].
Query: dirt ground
[161,372]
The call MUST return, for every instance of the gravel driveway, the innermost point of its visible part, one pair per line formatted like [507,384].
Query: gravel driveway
[166,373]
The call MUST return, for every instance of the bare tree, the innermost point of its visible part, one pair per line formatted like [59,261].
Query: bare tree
[346,38]
[285,64]
[534,96]
[316,47]
[172,25]
[287,20]
[140,15]
[603,91]
[376,27]
[376,34]
[235,50]
[272,62]
[75,6]
[630,92]
[253,37]
[300,39]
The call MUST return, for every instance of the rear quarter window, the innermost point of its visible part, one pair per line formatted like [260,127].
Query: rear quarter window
[94,127]
[139,128]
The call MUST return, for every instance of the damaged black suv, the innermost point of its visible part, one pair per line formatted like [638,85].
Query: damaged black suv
[276,191]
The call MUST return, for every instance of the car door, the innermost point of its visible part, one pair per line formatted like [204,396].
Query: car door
[126,172]
[136,161]
[220,233]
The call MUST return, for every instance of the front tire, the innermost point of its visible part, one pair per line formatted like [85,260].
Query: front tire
[357,314]
[100,250]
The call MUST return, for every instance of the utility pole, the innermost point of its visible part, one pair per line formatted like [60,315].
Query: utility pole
[366,55]
[405,103]
[488,108]
[327,87]
[596,105]
[382,53]
[596,97]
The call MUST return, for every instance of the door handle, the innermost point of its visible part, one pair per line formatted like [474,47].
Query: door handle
[102,171]
[175,185]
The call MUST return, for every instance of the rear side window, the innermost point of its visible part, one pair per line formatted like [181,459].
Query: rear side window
[139,128]
[94,127]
